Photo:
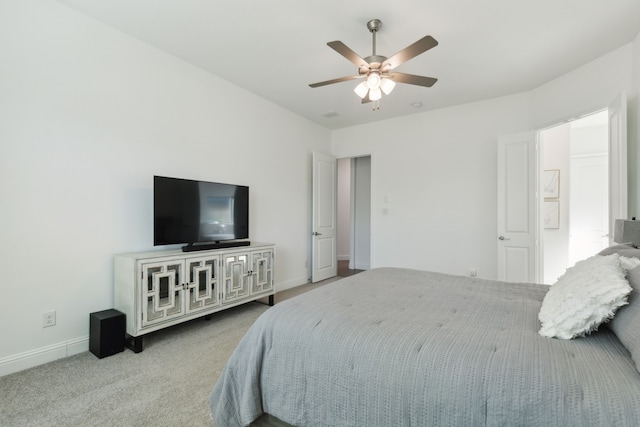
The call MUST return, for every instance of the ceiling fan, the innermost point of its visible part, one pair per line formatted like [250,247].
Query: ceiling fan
[377,69]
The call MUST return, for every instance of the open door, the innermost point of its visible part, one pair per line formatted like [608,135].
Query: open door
[617,161]
[517,208]
[324,221]
[519,257]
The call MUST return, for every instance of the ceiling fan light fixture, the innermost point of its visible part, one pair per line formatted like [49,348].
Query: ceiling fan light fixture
[387,86]
[375,94]
[373,80]
[362,89]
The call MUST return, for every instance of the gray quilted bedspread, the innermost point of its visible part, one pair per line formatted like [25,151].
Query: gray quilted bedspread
[399,347]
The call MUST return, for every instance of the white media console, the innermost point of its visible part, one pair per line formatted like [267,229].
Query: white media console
[162,288]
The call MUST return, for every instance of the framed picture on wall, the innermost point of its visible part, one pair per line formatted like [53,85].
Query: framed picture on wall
[551,184]
[551,214]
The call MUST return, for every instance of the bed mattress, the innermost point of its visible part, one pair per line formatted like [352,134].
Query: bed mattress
[396,346]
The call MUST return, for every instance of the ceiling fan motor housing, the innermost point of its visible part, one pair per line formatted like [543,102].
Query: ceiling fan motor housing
[375,59]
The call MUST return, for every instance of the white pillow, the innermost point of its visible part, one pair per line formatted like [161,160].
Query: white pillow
[586,295]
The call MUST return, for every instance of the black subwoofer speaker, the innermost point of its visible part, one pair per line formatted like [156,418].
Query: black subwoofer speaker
[106,332]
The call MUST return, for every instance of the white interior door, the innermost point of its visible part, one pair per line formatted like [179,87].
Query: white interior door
[324,221]
[517,208]
[589,206]
[617,161]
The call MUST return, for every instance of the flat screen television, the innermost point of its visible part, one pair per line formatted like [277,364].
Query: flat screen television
[204,215]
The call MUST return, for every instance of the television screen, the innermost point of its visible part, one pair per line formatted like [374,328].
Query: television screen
[188,211]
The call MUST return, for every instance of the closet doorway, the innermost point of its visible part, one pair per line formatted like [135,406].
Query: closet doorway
[354,215]
[574,192]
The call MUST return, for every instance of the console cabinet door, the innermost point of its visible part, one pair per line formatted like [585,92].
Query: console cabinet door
[236,276]
[261,271]
[162,291]
[203,283]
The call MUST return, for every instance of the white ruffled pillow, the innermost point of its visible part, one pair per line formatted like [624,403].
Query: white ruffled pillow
[586,295]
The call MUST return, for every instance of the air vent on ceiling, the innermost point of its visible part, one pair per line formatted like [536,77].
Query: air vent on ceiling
[330,114]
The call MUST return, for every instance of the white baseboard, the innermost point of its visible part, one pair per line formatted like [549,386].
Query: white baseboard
[42,355]
[291,284]
[343,257]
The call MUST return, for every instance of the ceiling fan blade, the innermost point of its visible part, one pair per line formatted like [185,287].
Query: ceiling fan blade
[366,100]
[411,51]
[338,80]
[413,80]
[345,51]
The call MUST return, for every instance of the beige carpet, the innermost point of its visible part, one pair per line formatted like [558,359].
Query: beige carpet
[168,384]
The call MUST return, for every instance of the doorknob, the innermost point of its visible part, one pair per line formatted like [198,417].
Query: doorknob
[502,238]
[315,233]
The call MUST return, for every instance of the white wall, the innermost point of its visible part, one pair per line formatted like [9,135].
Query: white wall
[555,144]
[590,88]
[438,168]
[438,172]
[87,116]
[584,90]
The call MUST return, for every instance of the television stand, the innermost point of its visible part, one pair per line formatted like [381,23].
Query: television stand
[158,289]
[191,247]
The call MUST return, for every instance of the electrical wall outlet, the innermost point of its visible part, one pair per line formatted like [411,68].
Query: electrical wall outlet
[48,319]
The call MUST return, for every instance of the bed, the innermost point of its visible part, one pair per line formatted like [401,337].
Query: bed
[402,347]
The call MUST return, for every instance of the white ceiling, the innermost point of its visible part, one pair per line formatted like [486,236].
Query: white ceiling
[275,48]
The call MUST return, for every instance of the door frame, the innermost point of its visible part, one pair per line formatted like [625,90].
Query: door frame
[351,230]
[618,175]
[356,235]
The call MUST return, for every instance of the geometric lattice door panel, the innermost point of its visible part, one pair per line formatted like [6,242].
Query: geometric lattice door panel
[162,291]
[261,271]
[203,282]
[236,276]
